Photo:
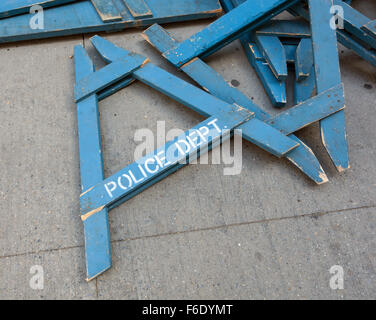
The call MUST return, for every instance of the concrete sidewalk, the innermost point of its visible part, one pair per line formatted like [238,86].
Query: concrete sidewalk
[267,233]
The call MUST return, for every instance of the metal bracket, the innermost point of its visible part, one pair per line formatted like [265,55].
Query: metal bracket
[69,17]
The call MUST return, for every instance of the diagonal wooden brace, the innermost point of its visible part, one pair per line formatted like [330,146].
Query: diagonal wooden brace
[226,29]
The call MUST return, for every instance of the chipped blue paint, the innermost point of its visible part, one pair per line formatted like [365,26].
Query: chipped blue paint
[226,29]
[97,233]
[326,63]
[275,55]
[303,59]
[138,8]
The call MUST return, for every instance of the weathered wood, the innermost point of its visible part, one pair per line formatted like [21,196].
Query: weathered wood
[335,144]
[81,17]
[106,10]
[321,106]
[326,62]
[348,41]
[303,59]
[286,28]
[138,8]
[305,88]
[290,53]
[275,89]
[97,233]
[108,75]
[226,29]
[370,28]
[274,53]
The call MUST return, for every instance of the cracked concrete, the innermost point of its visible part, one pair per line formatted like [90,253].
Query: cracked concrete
[267,233]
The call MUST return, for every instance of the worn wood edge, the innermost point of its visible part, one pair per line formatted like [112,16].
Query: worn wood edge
[89,214]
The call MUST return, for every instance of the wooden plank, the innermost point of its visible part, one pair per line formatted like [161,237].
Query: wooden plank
[10,8]
[145,170]
[306,88]
[81,17]
[349,42]
[274,53]
[138,8]
[326,62]
[226,29]
[303,59]
[106,76]
[286,28]
[290,53]
[256,53]
[370,28]
[106,10]
[97,233]
[275,89]
[105,93]
[322,106]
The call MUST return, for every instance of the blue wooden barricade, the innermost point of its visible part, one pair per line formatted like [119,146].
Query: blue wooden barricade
[100,194]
